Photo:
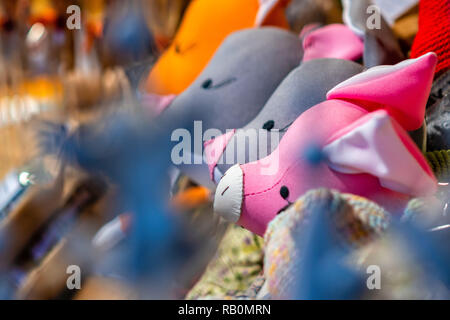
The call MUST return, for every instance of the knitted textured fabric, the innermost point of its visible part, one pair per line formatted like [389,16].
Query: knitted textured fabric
[357,220]
[440,164]
[434,32]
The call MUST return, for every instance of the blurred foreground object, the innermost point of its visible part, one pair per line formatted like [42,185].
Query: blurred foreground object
[163,18]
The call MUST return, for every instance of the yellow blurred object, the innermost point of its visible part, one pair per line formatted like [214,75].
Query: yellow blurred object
[191,198]
[18,105]
[42,11]
[42,87]
[94,14]
[98,288]
[406,27]
[205,25]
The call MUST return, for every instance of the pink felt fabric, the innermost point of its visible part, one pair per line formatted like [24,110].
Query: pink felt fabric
[332,120]
[214,149]
[332,41]
[156,104]
[374,145]
[402,89]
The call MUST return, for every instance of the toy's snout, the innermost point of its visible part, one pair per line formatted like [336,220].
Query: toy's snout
[229,194]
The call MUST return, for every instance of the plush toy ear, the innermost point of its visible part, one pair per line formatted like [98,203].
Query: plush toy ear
[270,11]
[214,149]
[377,145]
[332,41]
[402,89]
[156,104]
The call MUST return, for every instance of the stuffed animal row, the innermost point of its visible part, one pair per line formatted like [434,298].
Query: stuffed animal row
[239,89]
[361,145]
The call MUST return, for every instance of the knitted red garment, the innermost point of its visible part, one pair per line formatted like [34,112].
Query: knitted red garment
[434,32]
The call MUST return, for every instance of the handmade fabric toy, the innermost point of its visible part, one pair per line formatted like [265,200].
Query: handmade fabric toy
[239,80]
[354,142]
[434,32]
[205,25]
[380,45]
[231,90]
[303,88]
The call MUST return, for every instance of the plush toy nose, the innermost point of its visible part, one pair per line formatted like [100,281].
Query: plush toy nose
[229,194]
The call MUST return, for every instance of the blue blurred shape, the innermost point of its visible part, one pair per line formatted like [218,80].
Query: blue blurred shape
[323,273]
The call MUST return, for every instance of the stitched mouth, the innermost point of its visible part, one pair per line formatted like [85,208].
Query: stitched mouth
[286,127]
[209,85]
[284,208]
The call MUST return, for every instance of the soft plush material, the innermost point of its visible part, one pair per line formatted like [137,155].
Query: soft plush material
[332,41]
[380,45]
[304,87]
[434,32]
[234,87]
[354,142]
[239,79]
[205,25]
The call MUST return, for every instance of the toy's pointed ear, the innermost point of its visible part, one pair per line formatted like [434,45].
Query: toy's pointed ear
[377,145]
[332,41]
[402,89]
[271,12]
[214,149]
[155,104]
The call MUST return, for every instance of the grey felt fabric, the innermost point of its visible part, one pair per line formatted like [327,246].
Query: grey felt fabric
[239,79]
[380,45]
[232,89]
[302,89]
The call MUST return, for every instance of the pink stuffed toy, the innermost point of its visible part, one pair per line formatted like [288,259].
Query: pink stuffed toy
[361,134]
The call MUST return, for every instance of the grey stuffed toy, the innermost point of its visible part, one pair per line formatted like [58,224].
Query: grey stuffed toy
[239,79]
[231,90]
[303,88]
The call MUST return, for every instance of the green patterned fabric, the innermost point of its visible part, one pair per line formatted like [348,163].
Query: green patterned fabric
[236,265]
[440,164]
